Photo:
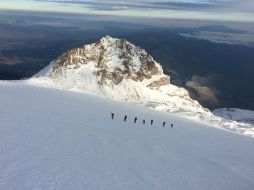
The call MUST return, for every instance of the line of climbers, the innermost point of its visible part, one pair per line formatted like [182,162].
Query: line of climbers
[135,120]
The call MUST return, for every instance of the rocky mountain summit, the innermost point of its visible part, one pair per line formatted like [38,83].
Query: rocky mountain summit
[114,60]
[117,69]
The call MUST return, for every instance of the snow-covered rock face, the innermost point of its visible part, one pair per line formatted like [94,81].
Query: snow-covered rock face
[116,69]
[112,60]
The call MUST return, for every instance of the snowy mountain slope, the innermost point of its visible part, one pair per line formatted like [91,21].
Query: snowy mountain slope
[235,114]
[118,70]
[53,139]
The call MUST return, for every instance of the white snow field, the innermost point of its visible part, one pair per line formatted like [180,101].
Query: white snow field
[54,139]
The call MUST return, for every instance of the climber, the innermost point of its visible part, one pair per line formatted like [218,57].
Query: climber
[112,115]
[151,122]
[135,120]
[164,123]
[125,118]
[144,121]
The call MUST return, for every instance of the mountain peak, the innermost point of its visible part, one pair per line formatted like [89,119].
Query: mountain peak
[113,60]
[108,39]
[117,69]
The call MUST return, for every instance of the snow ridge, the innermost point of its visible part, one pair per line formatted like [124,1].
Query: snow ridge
[118,70]
[235,114]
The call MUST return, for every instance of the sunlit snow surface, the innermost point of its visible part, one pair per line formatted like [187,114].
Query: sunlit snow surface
[55,139]
[168,98]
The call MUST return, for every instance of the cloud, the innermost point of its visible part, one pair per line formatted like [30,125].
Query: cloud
[201,88]
[220,10]
[246,39]
[12,60]
[185,5]
[195,5]
[95,5]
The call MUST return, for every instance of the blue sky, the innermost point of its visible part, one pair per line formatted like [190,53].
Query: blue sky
[228,10]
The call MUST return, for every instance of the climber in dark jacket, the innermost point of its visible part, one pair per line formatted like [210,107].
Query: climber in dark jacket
[171,125]
[151,122]
[125,118]
[135,120]
[144,121]
[164,123]
[112,115]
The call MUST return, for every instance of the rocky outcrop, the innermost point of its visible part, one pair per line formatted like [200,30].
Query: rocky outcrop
[162,81]
[114,60]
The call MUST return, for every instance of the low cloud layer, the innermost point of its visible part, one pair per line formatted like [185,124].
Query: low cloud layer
[224,10]
[195,5]
[202,89]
